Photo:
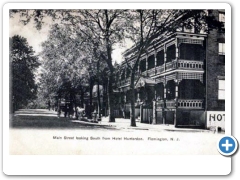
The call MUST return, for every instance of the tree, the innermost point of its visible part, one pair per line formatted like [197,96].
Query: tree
[106,26]
[70,63]
[64,69]
[23,64]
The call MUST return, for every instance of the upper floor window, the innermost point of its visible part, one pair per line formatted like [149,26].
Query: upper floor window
[221,89]
[171,53]
[143,65]
[151,61]
[222,18]
[221,48]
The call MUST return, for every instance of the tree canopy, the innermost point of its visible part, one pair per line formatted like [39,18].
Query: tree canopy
[23,65]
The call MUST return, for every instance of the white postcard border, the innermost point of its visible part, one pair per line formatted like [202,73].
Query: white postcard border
[113,165]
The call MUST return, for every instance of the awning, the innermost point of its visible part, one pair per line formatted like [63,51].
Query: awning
[143,81]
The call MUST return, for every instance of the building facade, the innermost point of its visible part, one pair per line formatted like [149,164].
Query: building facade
[180,79]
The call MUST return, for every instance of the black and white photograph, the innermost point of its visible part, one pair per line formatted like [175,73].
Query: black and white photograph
[117,81]
[116,75]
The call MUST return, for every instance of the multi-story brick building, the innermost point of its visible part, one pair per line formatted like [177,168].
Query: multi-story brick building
[180,79]
[215,74]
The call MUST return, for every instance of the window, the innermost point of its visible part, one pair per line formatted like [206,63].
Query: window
[221,89]
[160,58]
[151,61]
[221,48]
[191,51]
[143,65]
[222,18]
[171,53]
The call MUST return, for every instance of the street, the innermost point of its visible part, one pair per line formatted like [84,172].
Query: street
[45,119]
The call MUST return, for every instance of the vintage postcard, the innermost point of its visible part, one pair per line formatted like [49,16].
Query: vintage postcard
[115,82]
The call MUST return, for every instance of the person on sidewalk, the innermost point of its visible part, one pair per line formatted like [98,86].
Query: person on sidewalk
[67,109]
[59,112]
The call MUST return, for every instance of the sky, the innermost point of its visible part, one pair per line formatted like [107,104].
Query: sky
[33,36]
[36,37]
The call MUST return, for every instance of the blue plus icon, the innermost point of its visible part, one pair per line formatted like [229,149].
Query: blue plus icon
[227,145]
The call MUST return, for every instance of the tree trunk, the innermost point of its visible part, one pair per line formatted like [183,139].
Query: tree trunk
[105,98]
[98,91]
[82,98]
[111,99]
[90,98]
[132,99]
[99,100]
[75,105]
[110,78]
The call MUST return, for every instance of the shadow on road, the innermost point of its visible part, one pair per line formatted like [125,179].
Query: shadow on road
[35,112]
[44,119]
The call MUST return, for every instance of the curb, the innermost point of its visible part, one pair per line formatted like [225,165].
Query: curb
[186,130]
[141,128]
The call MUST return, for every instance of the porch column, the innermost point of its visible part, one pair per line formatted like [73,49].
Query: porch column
[155,94]
[155,106]
[165,91]
[154,121]
[141,112]
[176,46]
[165,56]
[176,101]
[177,53]
[155,64]
[176,89]
[175,117]
[164,102]
[146,63]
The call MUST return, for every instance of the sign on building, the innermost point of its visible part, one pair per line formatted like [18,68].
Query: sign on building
[216,119]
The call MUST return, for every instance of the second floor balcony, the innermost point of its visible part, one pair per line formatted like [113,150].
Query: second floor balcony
[175,64]
[185,52]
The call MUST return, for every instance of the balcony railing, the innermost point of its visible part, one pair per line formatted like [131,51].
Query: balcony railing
[190,103]
[182,103]
[170,104]
[171,65]
[151,72]
[156,71]
[180,64]
[160,104]
[159,69]
[189,64]
[127,81]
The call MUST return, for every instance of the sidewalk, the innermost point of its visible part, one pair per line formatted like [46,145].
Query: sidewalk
[121,123]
